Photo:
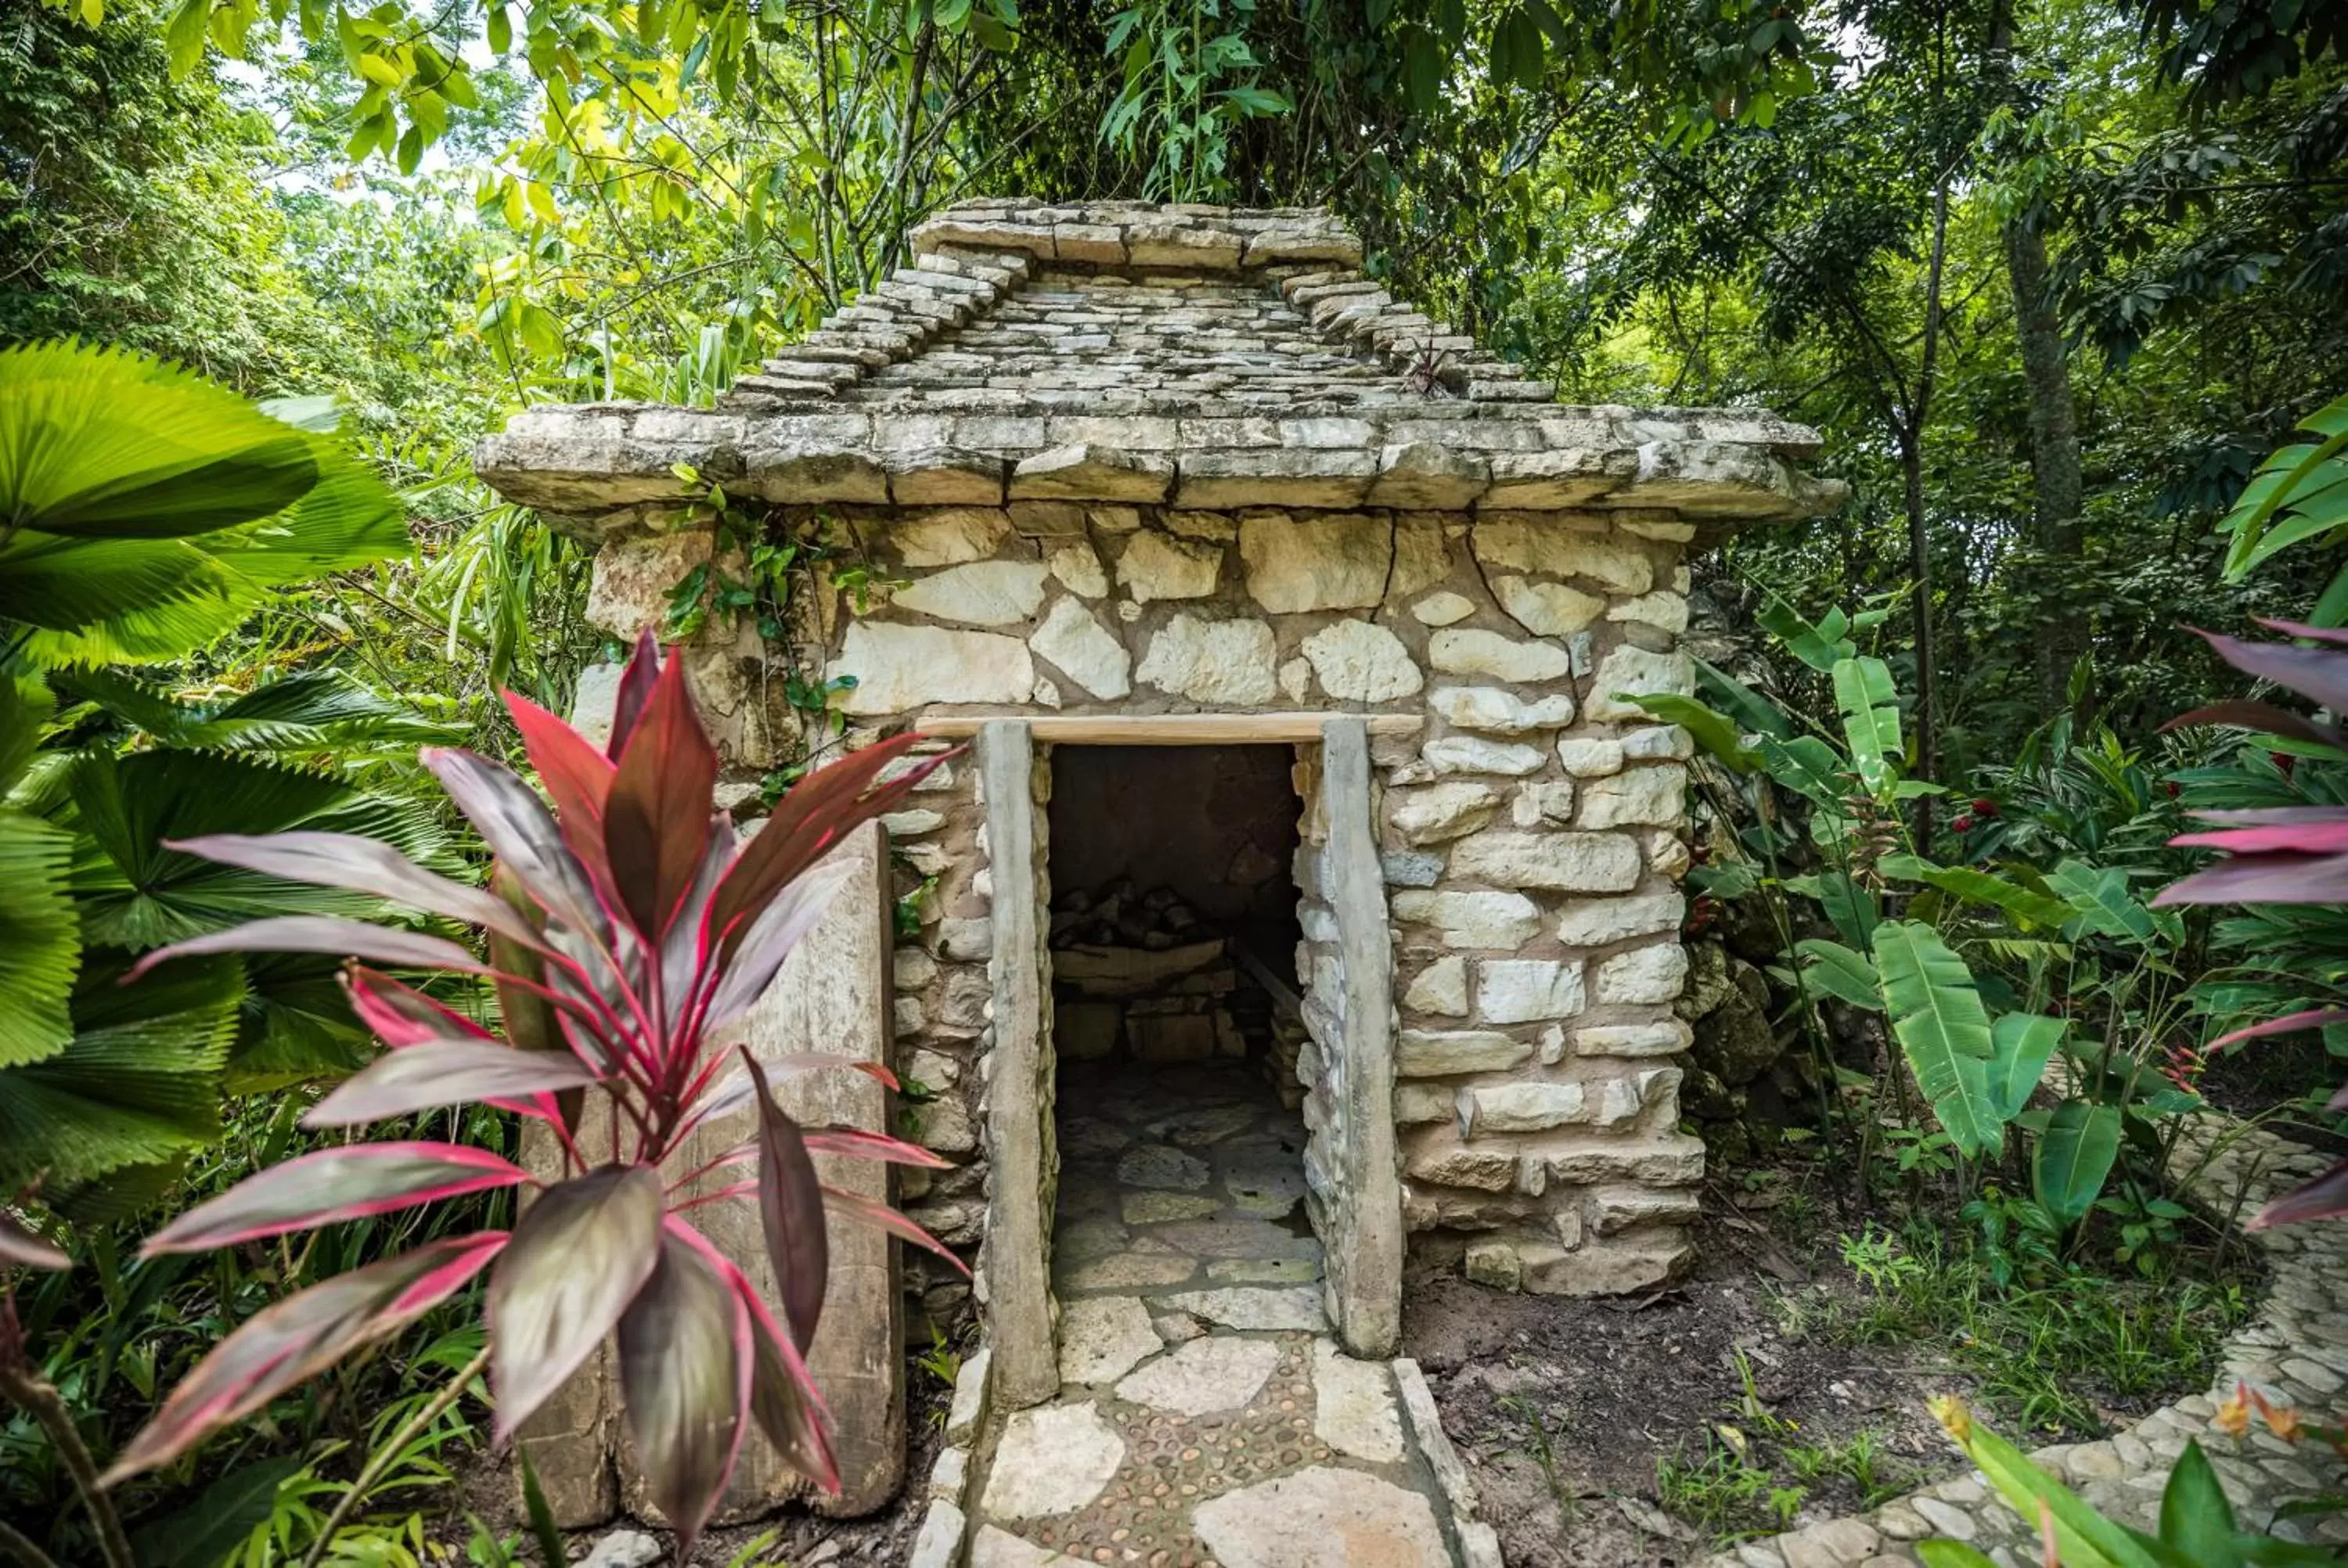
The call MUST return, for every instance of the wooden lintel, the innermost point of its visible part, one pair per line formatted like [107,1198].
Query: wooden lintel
[1167,729]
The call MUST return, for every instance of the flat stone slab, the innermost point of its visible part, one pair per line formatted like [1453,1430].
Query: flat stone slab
[1355,1410]
[1254,1309]
[1103,1338]
[1266,1270]
[1155,1208]
[1323,1518]
[1162,1166]
[993,1548]
[1054,1459]
[1079,1240]
[1236,1239]
[1084,1136]
[1263,1178]
[1209,1124]
[1219,1373]
[1134,1270]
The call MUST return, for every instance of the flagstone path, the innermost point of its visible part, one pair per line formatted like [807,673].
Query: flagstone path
[1206,1418]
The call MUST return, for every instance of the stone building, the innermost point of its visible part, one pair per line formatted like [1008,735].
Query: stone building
[1131,478]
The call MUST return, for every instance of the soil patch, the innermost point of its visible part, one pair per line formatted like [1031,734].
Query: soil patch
[1565,1408]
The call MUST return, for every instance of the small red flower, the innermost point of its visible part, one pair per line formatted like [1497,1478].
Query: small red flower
[1963,825]
[1985,807]
[2171,786]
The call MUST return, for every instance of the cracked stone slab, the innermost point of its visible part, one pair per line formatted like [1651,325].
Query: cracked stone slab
[1263,1177]
[1103,1338]
[1054,1459]
[1323,1518]
[1135,1270]
[1218,1373]
[1355,1410]
[1254,1309]
[1162,1166]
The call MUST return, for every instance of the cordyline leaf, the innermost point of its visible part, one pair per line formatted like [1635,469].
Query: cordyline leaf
[784,1400]
[2320,836]
[656,817]
[300,1337]
[2314,1018]
[519,831]
[574,774]
[2264,879]
[2332,634]
[450,1072]
[578,1256]
[820,813]
[857,1207]
[636,683]
[400,1015]
[329,934]
[332,1185]
[2242,713]
[2324,1198]
[684,1368]
[790,1212]
[20,1247]
[357,865]
[855,1144]
[764,948]
[733,1091]
[2316,673]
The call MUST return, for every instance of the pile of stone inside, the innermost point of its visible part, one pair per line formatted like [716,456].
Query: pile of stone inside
[1140,976]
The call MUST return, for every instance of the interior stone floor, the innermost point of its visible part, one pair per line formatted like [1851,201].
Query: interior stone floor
[1206,1418]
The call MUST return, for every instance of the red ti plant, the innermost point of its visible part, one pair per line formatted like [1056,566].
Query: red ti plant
[628,934]
[2280,855]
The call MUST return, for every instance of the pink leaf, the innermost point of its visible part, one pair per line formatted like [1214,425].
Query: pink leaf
[2264,879]
[334,1185]
[857,1145]
[320,934]
[636,683]
[2323,837]
[2316,1018]
[889,1220]
[656,817]
[790,1210]
[578,1256]
[358,865]
[453,1072]
[400,1015]
[784,1400]
[760,955]
[300,1337]
[2324,1198]
[574,774]
[685,1368]
[519,831]
[20,1247]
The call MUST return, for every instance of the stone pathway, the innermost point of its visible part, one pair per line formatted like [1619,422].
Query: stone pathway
[2294,1354]
[1206,1417]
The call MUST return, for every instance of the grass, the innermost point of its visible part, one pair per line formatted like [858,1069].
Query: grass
[2045,1352]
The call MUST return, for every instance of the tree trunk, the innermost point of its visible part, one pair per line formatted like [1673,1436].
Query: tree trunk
[2055,478]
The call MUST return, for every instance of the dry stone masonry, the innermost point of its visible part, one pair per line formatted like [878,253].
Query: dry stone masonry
[1158,466]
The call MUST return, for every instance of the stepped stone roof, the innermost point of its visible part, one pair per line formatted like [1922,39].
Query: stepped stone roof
[1187,356]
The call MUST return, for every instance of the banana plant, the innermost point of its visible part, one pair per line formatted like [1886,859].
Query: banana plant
[1978,1065]
[629,932]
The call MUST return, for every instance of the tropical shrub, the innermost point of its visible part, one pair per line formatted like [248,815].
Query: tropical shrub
[628,932]
[2294,855]
[144,513]
[1826,820]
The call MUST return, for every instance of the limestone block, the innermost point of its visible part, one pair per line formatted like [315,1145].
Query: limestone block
[1114,520]
[1650,796]
[1486,1170]
[1634,671]
[1437,1053]
[1422,553]
[1101,243]
[1362,661]
[1460,650]
[1283,244]
[1492,711]
[1560,862]
[1662,610]
[629,586]
[1083,471]
[1298,564]
[1573,476]
[1589,757]
[1472,754]
[1546,802]
[898,667]
[1218,662]
[1162,242]
[1613,1210]
[1421,474]
[1471,920]
[1601,922]
[1527,991]
[1654,974]
[950,536]
[981,593]
[1215,527]
[1154,565]
[1658,742]
[1078,568]
[1443,811]
[1275,476]
[1048,519]
[798,474]
[1084,651]
[1440,988]
[1443,607]
[944,477]
[1622,1100]
[1667,853]
[1418,1104]
[1296,679]
[1493,1264]
[1539,547]
[1547,608]
[1603,1270]
[1667,1037]
[1408,868]
[1523,1107]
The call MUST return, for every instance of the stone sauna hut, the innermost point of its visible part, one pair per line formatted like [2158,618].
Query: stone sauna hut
[1183,477]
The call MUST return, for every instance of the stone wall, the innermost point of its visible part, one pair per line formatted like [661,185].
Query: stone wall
[1529,827]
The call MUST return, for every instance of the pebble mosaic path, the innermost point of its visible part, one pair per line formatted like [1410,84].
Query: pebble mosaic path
[1206,1418]
[2294,1354]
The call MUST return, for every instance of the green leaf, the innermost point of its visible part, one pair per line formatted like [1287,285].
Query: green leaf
[40,940]
[1938,1017]
[212,1528]
[2025,905]
[1752,712]
[1820,647]
[1710,729]
[1870,719]
[2082,1538]
[2074,1155]
[2103,906]
[2022,1043]
[2195,1516]
[1949,1555]
[1840,973]
[1807,765]
[542,1526]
